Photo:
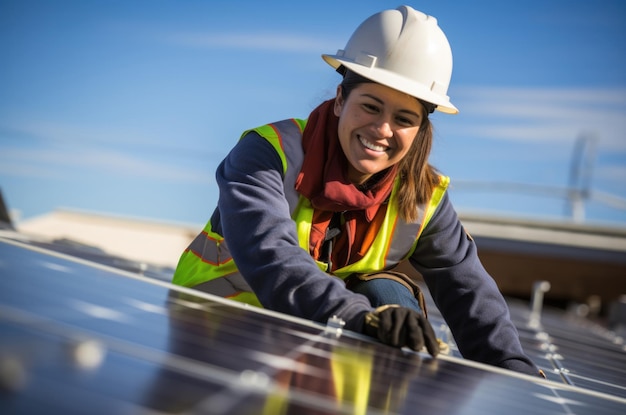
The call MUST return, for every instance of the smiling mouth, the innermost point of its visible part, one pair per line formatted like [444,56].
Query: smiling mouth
[372,146]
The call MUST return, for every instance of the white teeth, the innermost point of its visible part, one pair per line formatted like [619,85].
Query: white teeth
[371,146]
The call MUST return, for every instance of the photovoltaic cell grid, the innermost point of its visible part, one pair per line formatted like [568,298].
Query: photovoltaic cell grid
[569,350]
[78,337]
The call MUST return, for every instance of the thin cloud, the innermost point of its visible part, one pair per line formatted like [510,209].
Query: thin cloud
[591,96]
[277,42]
[552,115]
[59,147]
[613,172]
[72,133]
[17,167]
[524,131]
[52,162]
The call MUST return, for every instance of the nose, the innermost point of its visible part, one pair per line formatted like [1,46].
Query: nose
[383,127]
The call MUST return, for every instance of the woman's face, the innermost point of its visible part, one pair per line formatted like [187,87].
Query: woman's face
[377,126]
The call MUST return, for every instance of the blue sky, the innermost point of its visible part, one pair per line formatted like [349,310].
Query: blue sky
[127,107]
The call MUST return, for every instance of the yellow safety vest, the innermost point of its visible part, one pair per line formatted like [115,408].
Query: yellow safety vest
[207,264]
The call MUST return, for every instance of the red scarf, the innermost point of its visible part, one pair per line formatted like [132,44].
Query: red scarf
[323,180]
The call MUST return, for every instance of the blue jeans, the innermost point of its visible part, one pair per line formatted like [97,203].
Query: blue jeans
[381,291]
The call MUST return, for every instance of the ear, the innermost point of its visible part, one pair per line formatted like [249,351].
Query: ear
[338,102]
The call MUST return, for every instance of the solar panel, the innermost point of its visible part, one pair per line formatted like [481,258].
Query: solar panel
[81,337]
[580,353]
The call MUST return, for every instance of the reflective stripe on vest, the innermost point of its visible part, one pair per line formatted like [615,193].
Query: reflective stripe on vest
[207,264]
[395,241]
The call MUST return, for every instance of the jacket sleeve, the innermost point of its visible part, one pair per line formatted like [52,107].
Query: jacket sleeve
[466,295]
[256,223]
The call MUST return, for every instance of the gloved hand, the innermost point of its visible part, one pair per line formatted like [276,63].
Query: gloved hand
[401,326]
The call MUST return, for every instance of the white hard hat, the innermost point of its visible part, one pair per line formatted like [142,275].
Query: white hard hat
[403,49]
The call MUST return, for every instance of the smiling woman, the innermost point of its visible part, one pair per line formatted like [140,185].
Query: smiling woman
[410,123]
[349,193]
[377,127]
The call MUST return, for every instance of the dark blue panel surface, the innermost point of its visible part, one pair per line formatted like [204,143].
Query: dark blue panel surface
[77,337]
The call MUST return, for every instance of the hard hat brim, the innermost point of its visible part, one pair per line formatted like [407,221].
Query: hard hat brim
[394,81]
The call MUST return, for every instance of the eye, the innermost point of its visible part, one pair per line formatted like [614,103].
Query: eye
[406,121]
[370,108]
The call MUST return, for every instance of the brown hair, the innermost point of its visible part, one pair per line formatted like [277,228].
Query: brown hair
[417,177]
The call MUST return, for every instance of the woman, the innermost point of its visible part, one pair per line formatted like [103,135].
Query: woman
[313,214]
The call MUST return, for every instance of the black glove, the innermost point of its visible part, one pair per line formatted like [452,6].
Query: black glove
[401,326]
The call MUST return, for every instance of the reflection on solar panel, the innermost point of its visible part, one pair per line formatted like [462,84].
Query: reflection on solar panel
[81,337]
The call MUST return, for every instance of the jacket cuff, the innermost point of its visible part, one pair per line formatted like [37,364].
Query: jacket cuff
[522,366]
